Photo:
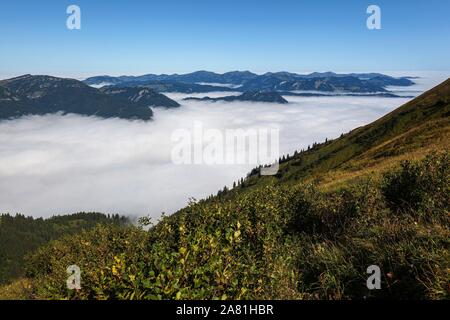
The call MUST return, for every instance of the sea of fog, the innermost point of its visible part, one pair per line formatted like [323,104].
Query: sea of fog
[58,164]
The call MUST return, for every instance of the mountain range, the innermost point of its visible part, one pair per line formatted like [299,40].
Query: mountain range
[131,97]
[248,81]
[38,95]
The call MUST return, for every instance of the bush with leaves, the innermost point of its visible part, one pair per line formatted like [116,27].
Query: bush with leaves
[421,188]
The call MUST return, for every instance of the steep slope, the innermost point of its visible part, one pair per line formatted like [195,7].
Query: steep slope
[407,132]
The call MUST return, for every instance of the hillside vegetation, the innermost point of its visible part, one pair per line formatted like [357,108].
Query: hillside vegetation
[308,233]
[409,132]
[21,235]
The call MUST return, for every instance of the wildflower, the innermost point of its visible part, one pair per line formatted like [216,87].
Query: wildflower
[114,270]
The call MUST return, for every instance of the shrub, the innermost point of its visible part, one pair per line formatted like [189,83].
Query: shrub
[331,214]
[421,188]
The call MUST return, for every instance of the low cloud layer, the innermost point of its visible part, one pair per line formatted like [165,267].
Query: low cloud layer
[62,164]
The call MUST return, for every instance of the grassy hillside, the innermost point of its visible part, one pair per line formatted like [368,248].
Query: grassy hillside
[308,233]
[409,132]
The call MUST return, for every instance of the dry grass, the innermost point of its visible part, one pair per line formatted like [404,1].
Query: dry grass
[19,289]
[414,144]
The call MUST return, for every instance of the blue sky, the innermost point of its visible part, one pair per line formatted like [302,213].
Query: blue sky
[137,37]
